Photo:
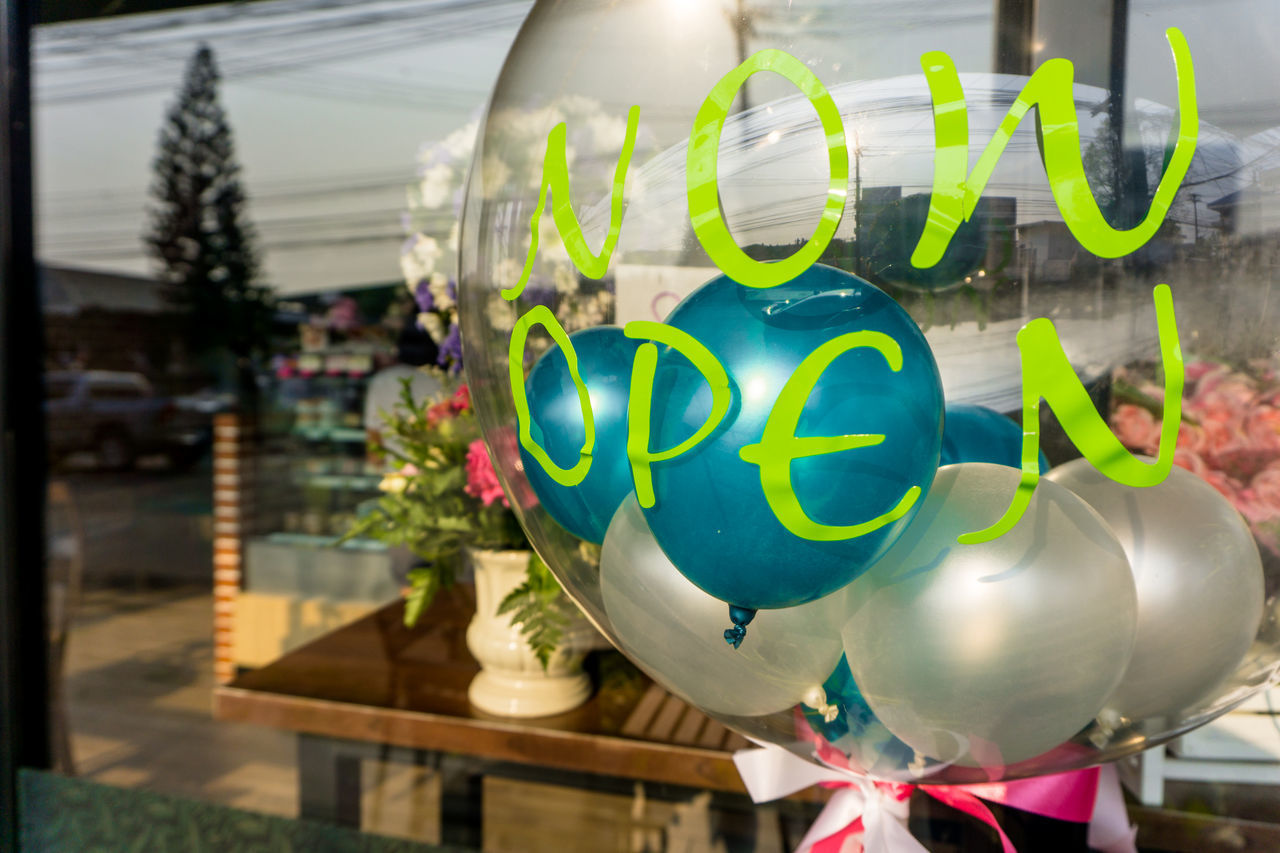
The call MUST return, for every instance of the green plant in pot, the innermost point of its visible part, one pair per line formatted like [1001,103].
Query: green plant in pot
[443,501]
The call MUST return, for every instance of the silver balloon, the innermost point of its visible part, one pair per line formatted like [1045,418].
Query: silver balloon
[1199,579]
[992,653]
[676,631]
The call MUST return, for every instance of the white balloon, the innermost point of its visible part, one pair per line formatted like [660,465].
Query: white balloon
[676,631]
[992,653]
[1199,579]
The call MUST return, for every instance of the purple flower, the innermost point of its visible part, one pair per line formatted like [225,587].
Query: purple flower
[451,350]
[539,294]
[422,295]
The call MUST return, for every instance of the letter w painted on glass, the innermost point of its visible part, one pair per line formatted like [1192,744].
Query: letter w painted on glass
[1049,90]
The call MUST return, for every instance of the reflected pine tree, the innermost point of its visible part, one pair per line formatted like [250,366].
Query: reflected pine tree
[200,234]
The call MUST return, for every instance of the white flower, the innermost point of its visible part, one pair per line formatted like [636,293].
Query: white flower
[502,315]
[590,312]
[607,132]
[459,143]
[418,260]
[436,185]
[507,273]
[438,286]
[578,105]
[394,483]
[550,245]
[412,270]
[427,251]
[433,325]
[566,282]
[494,174]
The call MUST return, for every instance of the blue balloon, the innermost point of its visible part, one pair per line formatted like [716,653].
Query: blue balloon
[711,515]
[604,363]
[977,434]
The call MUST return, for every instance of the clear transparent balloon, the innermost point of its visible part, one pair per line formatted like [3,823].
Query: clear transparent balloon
[1214,238]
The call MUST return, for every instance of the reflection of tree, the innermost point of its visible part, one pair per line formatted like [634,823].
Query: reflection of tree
[1121,180]
[979,258]
[199,232]
[890,237]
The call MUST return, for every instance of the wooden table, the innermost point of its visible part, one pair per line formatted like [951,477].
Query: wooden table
[375,684]
[373,687]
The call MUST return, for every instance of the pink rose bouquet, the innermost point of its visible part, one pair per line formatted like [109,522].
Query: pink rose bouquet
[482,480]
[1230,435]
[441,494]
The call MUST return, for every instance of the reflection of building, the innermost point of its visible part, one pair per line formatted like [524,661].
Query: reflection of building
[891,225]
[106,320]
[1052,249]
[1241,212]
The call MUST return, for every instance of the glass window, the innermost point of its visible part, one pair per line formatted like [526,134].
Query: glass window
[251,249]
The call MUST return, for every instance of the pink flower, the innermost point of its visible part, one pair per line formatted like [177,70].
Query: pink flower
[482,480]
[437,412]
[344,315]
[1136,428]
[1261,500]
[461,399]
[1226,485]
[1222,397]
[1263,428]
[408,469]
[1196,370]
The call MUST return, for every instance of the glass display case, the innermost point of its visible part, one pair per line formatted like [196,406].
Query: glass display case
[309,473]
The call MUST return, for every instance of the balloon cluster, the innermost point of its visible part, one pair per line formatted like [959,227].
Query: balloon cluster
[787,451]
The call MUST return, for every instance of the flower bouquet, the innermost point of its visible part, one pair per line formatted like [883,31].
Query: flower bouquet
[441,498]
[1230,434]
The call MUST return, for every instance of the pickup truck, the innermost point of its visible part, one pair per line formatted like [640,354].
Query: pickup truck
[118,416]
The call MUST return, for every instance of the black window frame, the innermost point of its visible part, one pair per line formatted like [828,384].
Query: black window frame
[24,678]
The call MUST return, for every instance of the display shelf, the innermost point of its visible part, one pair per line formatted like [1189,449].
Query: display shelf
[312,540]
[360,482]
[340,434]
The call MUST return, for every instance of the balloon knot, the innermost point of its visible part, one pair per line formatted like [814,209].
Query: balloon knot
[816,698]
[741,617]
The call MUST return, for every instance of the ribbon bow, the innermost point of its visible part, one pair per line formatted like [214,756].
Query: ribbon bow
[865,816]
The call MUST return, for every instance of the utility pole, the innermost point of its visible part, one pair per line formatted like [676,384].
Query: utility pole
[857,205]
[740,20]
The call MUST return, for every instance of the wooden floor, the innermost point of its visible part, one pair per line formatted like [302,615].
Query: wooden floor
[139,682]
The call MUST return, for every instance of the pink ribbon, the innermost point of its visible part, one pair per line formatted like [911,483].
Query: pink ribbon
[866,816]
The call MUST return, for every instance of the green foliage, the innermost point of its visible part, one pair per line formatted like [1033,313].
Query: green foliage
[539,608]
[434,504]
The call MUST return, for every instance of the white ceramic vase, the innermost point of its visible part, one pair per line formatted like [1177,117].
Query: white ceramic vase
[511,681]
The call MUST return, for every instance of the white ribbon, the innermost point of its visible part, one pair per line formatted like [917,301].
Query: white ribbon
[772,773]
[1109,829]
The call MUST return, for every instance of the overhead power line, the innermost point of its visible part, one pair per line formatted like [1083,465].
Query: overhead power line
[77,67]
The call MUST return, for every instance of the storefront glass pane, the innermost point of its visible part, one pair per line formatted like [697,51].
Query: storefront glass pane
[248,223]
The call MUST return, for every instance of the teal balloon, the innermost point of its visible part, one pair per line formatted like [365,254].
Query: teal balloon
[711,516]
[604,363]
[854,713]
[978,434]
